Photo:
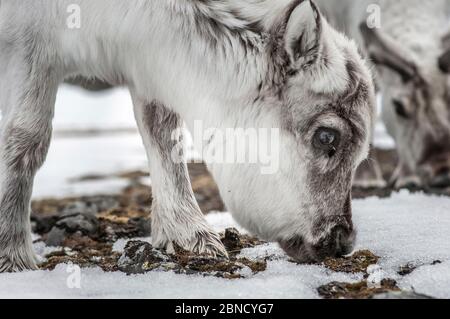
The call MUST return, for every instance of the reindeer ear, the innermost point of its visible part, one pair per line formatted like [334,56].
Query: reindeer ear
[303,33]
[385,52]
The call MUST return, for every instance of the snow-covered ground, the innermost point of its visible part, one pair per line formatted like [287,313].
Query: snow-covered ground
[406,228]
[402,229]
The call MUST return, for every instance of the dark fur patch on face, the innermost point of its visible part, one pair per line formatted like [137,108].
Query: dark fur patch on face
[348,105]
[357,90]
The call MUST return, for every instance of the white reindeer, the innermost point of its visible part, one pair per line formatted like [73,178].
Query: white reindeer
[239,64]
[412,56]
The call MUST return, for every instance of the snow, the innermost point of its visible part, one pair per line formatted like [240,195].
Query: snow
[78,109]
[430,280]
[276,283]
[381,138]
[94,134]
[403,229]
[71,157]
[406,228]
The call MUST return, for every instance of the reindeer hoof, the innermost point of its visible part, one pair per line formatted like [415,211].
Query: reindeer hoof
[209,243]
[17,263]
[203,242]
[411,182]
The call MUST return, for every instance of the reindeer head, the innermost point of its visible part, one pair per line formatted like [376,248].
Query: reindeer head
[416,97]
[319,92]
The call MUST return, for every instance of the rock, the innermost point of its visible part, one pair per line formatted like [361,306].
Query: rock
[85,222]
[56,237]
[43,224]
[234,242]
[139,257]
[409,268]
[143,226]
[400,295]
[406,269]
[231,239]
[79,207]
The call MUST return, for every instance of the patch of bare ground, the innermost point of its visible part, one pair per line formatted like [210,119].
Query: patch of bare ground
[140,257]
[356,263]
[205,189]
[359,290]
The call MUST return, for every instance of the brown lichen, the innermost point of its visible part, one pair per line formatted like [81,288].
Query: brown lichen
[84,252]
[359,290]
[141,257]
[356,263]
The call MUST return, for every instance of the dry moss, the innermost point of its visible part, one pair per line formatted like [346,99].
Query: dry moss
[141,257]
[359,290]
[84,252]
[356,263]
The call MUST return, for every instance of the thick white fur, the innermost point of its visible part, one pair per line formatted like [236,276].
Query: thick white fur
[151,47]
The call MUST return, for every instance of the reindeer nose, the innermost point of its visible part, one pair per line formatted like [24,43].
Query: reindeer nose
[442,179]
[342,243]
[337,243]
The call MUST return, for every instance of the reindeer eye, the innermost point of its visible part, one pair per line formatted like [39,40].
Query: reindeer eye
[400,108]
[327,139]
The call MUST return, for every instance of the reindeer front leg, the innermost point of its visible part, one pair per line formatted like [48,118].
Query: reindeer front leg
[27,103]
[404,177]
[176,216]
